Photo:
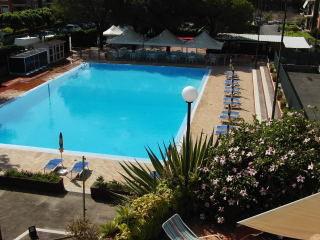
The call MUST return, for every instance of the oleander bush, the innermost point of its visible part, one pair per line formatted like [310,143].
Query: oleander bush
[258,167]
[39,176]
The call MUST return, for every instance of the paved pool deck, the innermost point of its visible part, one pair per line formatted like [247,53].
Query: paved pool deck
[204,120]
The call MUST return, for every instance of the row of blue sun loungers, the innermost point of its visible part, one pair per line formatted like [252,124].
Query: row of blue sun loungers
[77,168]
[231,100]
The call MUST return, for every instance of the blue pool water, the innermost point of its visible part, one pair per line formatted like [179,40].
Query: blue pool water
[102,108]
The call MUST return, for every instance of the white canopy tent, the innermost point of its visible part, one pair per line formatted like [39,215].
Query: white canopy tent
[164,39]
[128,37]
[113,31]
[204,40]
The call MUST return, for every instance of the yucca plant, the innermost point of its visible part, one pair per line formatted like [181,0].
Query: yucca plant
[172,165]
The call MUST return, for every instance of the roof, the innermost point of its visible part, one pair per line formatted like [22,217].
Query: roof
[299,219]
[166,38]
[289,42]
[204,40]
[49,43]
[129,37]
[113,31]
[307,87]
[29,53]
[26,41]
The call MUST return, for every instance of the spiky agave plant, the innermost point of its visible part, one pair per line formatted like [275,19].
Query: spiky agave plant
[172,165]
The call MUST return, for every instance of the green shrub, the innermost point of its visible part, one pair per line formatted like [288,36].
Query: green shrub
[141,218]
[113,185]
[7,30]
[83,229]
[260,166]
[43,177]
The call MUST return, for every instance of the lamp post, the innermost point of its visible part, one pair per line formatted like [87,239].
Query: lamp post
[83,190]
[189,94]
[258,22]
[279,61]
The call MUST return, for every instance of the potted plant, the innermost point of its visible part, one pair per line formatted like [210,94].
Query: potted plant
[283,103]
[280,94]
[107,191]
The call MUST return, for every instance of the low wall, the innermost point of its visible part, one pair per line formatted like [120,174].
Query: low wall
[32,185]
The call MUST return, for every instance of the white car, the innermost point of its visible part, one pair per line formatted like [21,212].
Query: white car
[71,28]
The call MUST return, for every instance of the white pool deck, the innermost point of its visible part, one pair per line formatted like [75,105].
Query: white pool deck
[205,118]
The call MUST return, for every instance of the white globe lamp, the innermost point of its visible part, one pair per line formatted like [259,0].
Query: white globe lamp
[189,94]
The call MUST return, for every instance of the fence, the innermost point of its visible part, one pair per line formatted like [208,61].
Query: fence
[290,92]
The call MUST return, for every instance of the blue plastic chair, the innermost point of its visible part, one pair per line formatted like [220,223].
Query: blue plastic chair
[53,164]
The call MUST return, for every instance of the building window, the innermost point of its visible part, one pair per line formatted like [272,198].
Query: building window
[4,9]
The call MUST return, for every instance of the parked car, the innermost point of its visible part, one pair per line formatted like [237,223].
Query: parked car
[71,28]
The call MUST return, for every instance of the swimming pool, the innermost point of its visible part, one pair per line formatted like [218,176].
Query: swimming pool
[112,109]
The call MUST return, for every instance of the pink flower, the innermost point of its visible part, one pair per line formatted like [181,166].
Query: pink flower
[249,154]
[231,202]
[270,151]
[300,179]
[252,171]
[220,220]
[263,191]
[215,181]
[229,178]
[232,155]
[272,168]
[243,193]
[306,140]
[221,209]
[291,153]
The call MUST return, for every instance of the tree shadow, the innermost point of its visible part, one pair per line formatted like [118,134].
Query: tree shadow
[5,162]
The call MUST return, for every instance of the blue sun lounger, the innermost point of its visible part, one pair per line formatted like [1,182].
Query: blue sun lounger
[53,164]
[230,82]
[232,99]
[226,116]
[77,168]
[236,89]
[234,113]
[232,104]
[223,129]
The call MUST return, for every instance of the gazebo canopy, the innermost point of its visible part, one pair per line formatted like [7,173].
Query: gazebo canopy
[166,38]
[299,219]
[128,37]
[113,31]
[204,40]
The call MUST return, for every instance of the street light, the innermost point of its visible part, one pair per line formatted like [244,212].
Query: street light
[189,94]
[279,62]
